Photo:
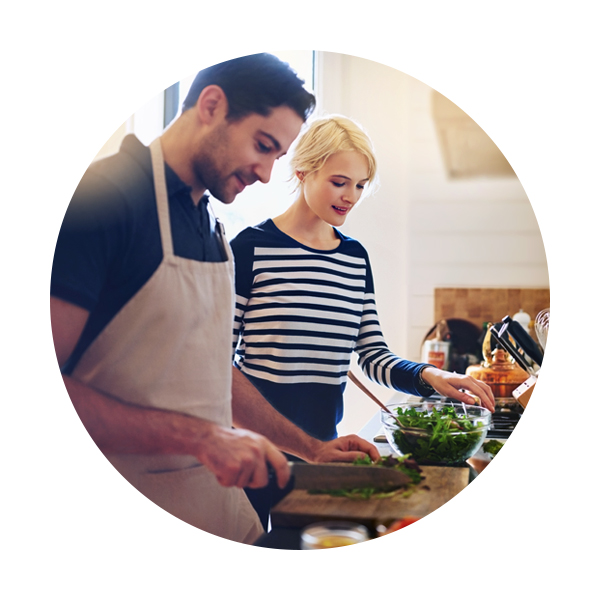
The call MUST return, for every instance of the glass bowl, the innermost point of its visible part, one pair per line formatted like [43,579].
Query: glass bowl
[436,432]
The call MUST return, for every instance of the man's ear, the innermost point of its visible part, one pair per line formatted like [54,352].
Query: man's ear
[212,104]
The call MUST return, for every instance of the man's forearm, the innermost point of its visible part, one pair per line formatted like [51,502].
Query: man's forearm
[252,411]
[236,457]
[120,428]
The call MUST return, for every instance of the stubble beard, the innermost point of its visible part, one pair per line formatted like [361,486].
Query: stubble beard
[206,166]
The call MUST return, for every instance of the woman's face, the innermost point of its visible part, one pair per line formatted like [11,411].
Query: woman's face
[332,191]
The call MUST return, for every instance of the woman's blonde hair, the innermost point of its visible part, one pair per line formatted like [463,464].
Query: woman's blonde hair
[326,136]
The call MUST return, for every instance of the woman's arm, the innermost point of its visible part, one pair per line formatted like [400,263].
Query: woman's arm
[418,379]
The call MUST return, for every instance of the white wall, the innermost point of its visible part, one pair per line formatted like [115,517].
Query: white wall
[421,229]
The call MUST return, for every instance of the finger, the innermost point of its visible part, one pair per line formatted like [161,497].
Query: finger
[242,471]
[354,442]
[469,398]
[484,393]
[373,453]
[462,396]
[480,390]
[350,456]
[488,400]
[279,465]
[226,478]
[258,477]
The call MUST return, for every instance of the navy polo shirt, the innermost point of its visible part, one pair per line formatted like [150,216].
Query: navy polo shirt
[109,243]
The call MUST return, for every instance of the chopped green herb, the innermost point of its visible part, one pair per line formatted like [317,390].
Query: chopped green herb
[403,463]
[492,447]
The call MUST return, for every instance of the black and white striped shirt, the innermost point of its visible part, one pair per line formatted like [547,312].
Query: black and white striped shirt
[300,313]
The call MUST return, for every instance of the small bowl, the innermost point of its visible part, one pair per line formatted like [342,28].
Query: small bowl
[450,446]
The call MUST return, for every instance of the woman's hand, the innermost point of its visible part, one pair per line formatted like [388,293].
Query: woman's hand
[456,386]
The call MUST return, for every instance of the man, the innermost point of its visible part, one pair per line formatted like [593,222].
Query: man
[142,304]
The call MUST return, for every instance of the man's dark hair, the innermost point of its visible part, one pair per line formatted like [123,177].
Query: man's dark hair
[254,84]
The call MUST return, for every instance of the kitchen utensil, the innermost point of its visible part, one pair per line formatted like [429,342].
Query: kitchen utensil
[363,388]
[440,484]
[541,326]
[427,445]
[345,476]
[514,339]
[511,336]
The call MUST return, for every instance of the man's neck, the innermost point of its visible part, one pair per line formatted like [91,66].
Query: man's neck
[176,144]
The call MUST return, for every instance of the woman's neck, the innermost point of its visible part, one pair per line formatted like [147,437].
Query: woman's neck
[301,224]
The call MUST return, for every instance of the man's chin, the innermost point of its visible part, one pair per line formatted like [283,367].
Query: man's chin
[225,199]
[223,196]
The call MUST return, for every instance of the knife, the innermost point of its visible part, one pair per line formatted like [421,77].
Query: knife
[334,476]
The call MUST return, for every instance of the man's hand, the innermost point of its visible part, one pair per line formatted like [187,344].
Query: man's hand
[240,458]
[452,385]
[344,449]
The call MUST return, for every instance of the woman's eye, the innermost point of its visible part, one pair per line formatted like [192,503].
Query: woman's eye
[337,184]
[360,187]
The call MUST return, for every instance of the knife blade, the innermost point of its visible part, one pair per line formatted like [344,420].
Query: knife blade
[333,476]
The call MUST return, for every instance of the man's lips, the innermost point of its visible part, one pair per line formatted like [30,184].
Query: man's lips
[242,182]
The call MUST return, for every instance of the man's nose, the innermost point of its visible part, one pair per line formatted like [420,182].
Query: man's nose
[264,169]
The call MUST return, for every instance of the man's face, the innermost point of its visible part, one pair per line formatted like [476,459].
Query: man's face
[236,154]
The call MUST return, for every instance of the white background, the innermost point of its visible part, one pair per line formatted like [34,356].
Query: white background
[526,72]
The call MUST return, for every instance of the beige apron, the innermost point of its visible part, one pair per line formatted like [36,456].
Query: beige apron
[170,347]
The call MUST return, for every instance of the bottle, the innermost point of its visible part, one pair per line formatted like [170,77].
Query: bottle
[436,352]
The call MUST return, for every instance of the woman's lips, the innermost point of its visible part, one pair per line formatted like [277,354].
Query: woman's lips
[340,210]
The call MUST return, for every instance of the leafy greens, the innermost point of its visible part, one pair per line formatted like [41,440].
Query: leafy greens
[403,463]
[440,436]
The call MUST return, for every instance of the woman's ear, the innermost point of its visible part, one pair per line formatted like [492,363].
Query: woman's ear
[212,104]
[300,176]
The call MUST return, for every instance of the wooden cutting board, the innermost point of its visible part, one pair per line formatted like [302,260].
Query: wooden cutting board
[300,508]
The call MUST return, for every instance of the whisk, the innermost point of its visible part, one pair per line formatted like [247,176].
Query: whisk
[541,325]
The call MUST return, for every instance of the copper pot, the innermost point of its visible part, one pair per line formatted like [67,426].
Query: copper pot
[501,373]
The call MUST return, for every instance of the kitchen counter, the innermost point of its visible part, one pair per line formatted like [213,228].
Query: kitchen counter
[288,538]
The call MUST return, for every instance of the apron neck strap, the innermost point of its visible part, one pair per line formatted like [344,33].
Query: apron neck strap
[162,199]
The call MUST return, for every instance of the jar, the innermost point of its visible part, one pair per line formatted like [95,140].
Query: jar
[436,353]
[332,534]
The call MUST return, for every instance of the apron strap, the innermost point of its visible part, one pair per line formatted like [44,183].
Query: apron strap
[162,199]
[221,231]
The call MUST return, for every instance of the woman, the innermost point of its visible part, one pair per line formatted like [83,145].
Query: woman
[305,295]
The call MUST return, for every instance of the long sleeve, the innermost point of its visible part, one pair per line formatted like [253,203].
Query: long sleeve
[375,358]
